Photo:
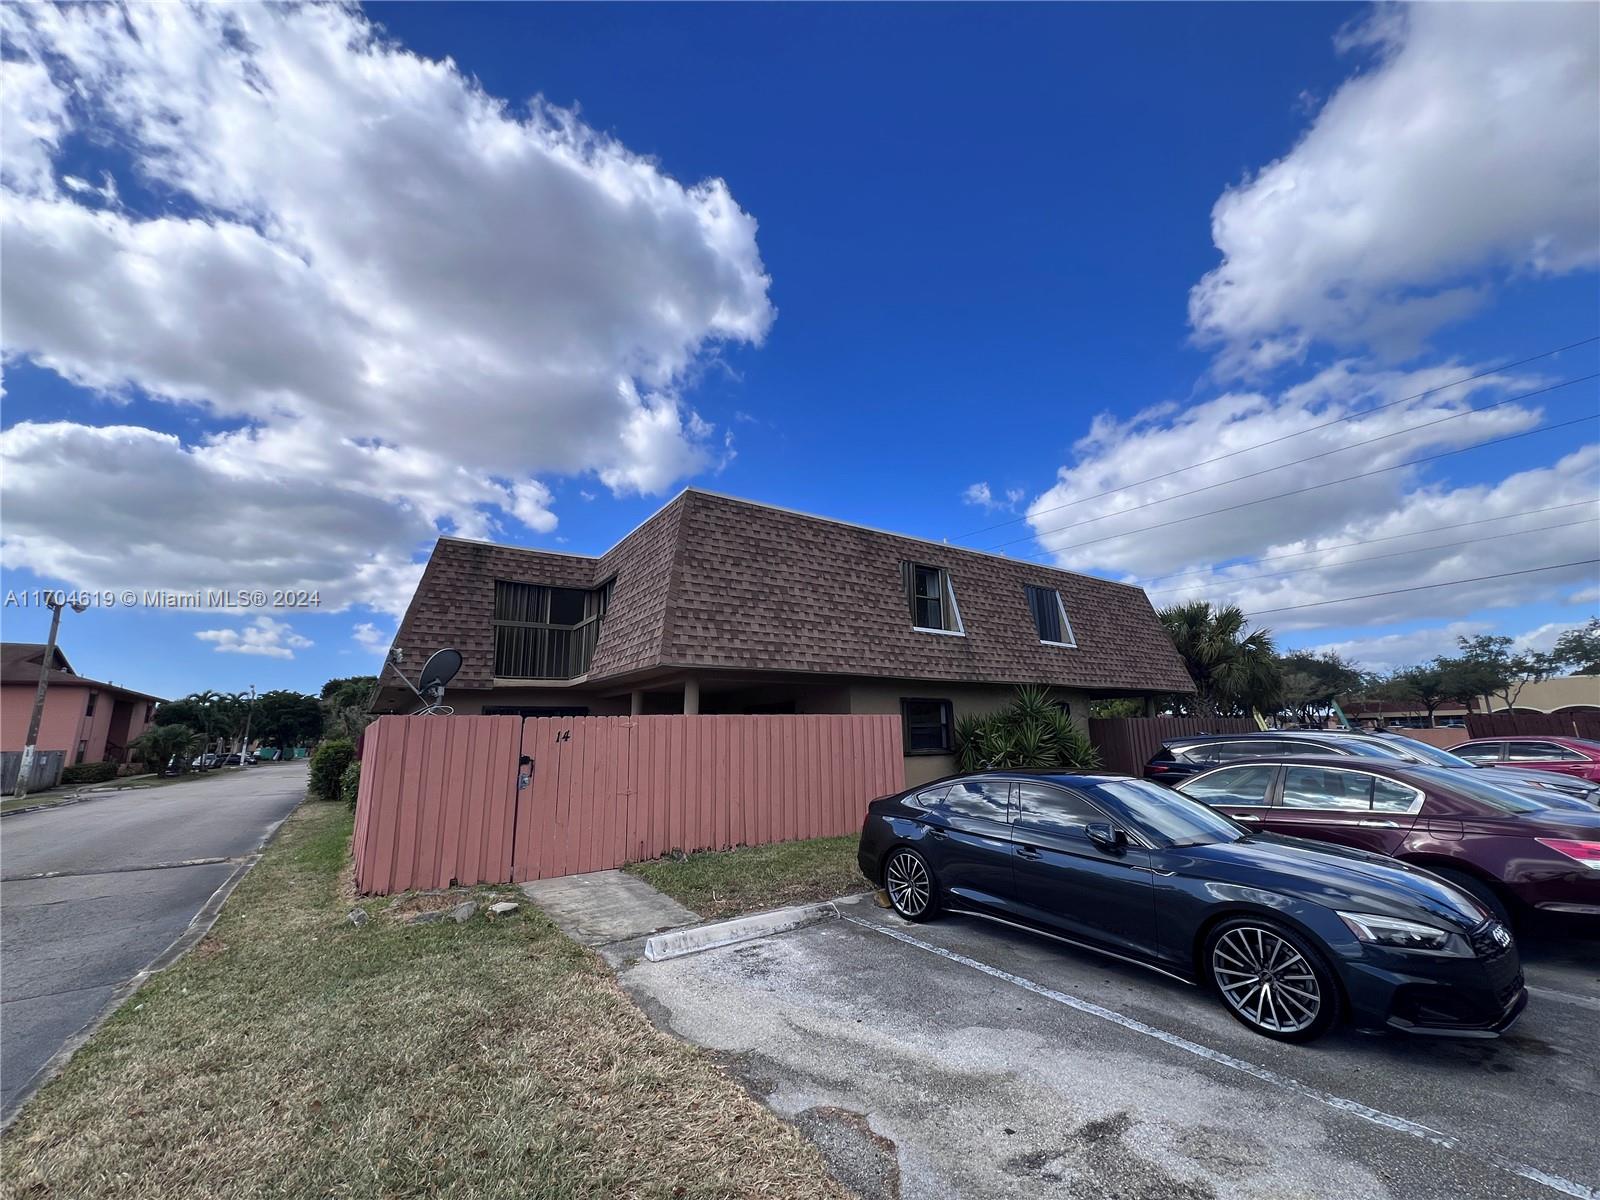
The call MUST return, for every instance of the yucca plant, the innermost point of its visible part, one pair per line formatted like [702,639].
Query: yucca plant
[1031,733]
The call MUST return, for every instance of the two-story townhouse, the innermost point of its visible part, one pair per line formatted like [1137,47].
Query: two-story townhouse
[722,605]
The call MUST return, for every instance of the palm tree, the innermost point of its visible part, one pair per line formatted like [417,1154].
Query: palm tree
[1233,671]
[162,744]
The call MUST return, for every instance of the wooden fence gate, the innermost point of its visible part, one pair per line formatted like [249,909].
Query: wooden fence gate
[500,799]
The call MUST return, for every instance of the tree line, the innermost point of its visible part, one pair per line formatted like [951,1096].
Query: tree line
[1238,670]
[281,719]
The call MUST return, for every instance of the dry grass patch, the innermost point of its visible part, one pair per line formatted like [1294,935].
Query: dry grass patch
[299,1055]
[724,883]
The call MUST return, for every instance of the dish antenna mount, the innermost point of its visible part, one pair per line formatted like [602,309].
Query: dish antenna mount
[439,670]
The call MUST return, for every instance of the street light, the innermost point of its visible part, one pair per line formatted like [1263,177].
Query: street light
[244,750]
[56,602]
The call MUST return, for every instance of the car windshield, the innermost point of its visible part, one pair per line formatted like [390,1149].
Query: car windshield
[1169,816]
[1477,787]
[1425,752]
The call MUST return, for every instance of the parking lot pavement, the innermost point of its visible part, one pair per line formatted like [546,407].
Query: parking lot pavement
[957,1058]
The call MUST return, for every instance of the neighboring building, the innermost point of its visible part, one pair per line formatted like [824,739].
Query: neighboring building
[1562,695]
[720,605]
[89,721]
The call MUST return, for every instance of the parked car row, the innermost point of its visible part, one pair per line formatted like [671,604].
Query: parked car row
[1304,876]
[1293,935]
[1180,758]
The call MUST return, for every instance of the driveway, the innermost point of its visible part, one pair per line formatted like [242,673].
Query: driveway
[960,1059]
[93,893]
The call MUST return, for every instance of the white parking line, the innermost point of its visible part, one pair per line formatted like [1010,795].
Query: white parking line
[1565,997]
[1353,1107]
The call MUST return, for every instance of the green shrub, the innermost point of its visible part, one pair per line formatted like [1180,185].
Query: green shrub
[1032,733]
[100,772]
[350,783]
[327,767]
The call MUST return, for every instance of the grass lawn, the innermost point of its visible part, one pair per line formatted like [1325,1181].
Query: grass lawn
[723,883]
[293,1054]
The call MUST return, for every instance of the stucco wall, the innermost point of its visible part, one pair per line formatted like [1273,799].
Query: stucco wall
[884,696]
[63,723]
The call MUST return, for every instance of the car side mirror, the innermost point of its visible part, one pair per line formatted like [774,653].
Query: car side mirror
[1107,836]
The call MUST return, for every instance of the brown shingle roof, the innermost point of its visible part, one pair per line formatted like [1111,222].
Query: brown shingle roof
[714,581]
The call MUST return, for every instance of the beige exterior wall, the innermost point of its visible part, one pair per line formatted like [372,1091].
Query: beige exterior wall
[884,696]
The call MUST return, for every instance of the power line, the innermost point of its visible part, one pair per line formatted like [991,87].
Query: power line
[1393,537]
[1297,461]
[1297,433]
[1586,562]
[1350,562]
[1315,486]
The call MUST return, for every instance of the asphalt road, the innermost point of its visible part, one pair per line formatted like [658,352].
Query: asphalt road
[93,893]
[960,1059]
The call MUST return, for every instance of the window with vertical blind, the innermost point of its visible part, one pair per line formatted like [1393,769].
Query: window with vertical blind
[545,632]
[1049,616]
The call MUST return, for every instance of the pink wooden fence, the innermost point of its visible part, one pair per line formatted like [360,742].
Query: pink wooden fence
[440,799]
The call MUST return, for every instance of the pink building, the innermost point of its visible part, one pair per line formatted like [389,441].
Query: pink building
[87,720]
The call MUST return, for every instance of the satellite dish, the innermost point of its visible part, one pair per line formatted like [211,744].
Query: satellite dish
[439,670]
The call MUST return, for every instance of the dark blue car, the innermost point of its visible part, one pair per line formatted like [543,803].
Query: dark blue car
[1293,935]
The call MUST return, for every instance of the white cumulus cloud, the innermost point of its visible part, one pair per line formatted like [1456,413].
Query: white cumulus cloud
[1105,512]
[263,636]
[1461,151]
[404,302]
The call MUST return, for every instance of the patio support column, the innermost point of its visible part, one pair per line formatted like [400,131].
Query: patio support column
[635,703]
[691,697]
[1149,705]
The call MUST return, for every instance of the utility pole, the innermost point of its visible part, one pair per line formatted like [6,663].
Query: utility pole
[248,713]
[30,748]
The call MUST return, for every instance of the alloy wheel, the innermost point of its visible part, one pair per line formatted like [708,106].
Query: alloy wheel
[910,889]
[1266,980]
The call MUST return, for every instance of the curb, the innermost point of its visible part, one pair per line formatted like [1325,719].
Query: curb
[66,802]
[678,942]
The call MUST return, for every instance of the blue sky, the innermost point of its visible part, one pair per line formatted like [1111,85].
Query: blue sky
[956,247]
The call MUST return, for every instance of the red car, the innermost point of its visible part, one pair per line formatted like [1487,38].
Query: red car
[1506,849]
[1569,755]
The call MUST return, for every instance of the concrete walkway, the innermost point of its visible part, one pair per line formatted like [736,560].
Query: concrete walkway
[606,906]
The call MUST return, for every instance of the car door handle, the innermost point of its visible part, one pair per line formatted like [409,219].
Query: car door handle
[1368,823]
[1027,852]
[935,831]
[1243,817]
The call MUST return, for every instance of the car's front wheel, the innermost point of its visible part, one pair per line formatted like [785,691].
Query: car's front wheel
[909,882]
[1272,979]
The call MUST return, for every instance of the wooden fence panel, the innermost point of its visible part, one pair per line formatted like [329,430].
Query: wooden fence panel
[437,799]
[1576,724]
[1126,744]
[498,799]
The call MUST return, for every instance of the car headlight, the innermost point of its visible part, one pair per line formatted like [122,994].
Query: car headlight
[1396,934]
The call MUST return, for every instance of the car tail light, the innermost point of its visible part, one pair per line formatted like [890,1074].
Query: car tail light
[1587,853]
[1156,768]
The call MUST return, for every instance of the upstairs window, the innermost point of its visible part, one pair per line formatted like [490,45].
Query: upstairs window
[933,599]
[1050,616]
[89,711]
[546,632]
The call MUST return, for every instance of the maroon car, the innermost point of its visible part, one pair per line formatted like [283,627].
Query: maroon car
[1569,755]
[1507,849]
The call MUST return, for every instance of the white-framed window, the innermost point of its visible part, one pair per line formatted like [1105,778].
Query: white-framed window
[933,600]
[1050,616]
